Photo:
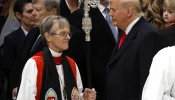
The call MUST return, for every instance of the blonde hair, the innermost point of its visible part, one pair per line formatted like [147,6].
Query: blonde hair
[11,14]
[154,13]
[134,4]
[169,4]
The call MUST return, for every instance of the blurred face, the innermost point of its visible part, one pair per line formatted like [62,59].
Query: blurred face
[42,12]
[118,13]
[58,40]
[145,3]
[168,15]
[29,16]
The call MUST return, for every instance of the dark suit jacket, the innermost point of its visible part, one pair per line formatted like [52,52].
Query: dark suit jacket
[129,66]
[168,35]
[23,56]
[12,46]
[102,44]
[2,73]
[65,11]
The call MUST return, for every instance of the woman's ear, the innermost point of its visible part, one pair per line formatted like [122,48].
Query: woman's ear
[47,36]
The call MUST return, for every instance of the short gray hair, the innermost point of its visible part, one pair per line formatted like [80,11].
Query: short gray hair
[48,23]
[50,4]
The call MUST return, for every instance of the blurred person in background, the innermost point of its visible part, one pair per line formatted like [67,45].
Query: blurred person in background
[168,33]
[144,4]
[8,23]
[154,12]
[27,16]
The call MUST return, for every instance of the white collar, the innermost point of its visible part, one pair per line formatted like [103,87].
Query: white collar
[55,54]
[25,32]
[131,25]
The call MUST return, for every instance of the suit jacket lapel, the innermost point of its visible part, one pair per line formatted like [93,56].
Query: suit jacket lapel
[127,42]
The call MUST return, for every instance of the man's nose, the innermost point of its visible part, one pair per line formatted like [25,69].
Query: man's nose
[110,13]
[35,12]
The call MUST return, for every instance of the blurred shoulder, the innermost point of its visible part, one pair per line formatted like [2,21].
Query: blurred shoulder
[166,53]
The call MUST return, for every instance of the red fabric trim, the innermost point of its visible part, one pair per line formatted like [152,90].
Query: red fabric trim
[40,66]
[73,66]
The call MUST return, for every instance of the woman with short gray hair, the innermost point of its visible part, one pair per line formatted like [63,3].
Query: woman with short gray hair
[50,74]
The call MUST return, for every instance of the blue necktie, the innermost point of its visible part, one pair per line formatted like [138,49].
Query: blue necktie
[113,28]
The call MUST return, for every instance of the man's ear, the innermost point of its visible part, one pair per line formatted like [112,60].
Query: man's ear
[129,12]
[54,11]
[18,15]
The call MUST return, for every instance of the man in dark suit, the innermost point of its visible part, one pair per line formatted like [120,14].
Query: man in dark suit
[25,13]
[102,44]
[129,65]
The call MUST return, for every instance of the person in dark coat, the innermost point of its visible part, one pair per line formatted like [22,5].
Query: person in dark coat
[168,33]
[27,16]
[129,65]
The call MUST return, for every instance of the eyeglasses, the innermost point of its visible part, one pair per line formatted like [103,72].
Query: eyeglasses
[63,34]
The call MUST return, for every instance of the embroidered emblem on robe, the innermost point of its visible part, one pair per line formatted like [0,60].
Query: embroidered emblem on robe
[75,94]
[51,95]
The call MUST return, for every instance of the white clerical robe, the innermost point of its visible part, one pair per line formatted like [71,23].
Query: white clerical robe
[161,79]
